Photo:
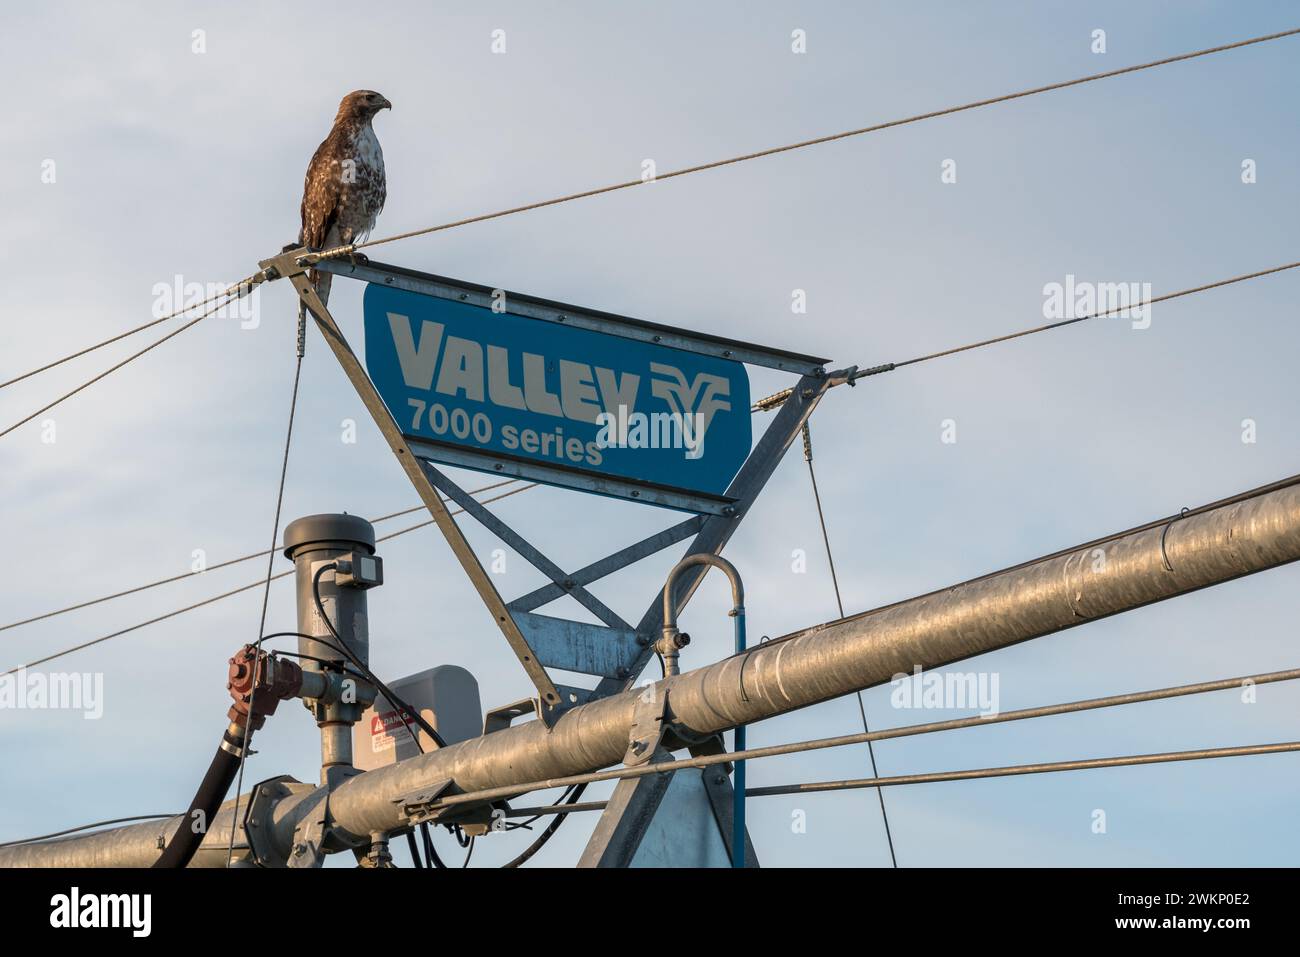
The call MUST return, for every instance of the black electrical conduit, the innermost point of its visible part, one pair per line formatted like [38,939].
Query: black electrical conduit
[537,845]
[403,708]
[342,649]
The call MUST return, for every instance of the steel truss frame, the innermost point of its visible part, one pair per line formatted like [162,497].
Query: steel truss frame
[615,652]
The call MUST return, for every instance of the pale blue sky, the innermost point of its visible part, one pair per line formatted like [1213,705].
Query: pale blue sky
[170,162]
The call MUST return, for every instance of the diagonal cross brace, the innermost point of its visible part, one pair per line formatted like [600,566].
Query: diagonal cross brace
[517,542]
[610,563]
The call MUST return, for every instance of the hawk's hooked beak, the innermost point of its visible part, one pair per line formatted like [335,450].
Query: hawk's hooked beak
[387,105]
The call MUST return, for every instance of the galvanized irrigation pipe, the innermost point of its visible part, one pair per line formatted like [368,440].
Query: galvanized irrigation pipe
[1131,570]
[818,744]
[842,656]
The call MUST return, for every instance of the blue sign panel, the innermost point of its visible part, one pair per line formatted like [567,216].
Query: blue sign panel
[460,375]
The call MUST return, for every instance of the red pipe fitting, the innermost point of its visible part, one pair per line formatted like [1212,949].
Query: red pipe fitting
[258,682]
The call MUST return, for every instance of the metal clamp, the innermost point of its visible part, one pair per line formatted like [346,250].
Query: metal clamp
[292,261]
[1164,555]
[648,725]
[420,807]
[498,719]
[308,850]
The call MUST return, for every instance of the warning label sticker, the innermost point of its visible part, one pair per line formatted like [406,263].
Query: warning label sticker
[384,726]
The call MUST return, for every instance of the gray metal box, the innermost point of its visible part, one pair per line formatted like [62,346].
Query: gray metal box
[446,696]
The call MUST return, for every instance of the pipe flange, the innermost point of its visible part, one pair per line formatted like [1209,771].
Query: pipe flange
[258,829]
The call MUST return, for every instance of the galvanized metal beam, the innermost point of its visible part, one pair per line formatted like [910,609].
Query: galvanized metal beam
[578,646]
[414,470]
[610,486]
[610,564]
[570,315]
[627,816]
[530,553]
[722,799]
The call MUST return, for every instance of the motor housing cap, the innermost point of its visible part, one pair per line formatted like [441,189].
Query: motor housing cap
[330,530]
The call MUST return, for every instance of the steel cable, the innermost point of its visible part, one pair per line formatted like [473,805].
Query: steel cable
[113,368]
[839,603]
[211,568]
[802,144]
[228,594]
[270,570]
[238,289]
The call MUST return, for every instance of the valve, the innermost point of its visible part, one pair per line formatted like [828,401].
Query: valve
[258,682]
[670,643]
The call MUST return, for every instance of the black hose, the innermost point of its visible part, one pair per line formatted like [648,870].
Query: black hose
[545,836]
[415,851]
[203,809]
[429,850]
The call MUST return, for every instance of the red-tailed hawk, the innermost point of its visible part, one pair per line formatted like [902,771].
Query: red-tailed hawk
[345,187]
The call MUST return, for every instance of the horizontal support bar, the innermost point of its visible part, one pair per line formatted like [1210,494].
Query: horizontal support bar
[581,481]
[580,317]
[936,777]
[578,646]
[1164,757]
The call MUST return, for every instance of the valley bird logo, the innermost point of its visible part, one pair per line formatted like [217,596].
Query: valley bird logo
[696,403]
[691,408]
